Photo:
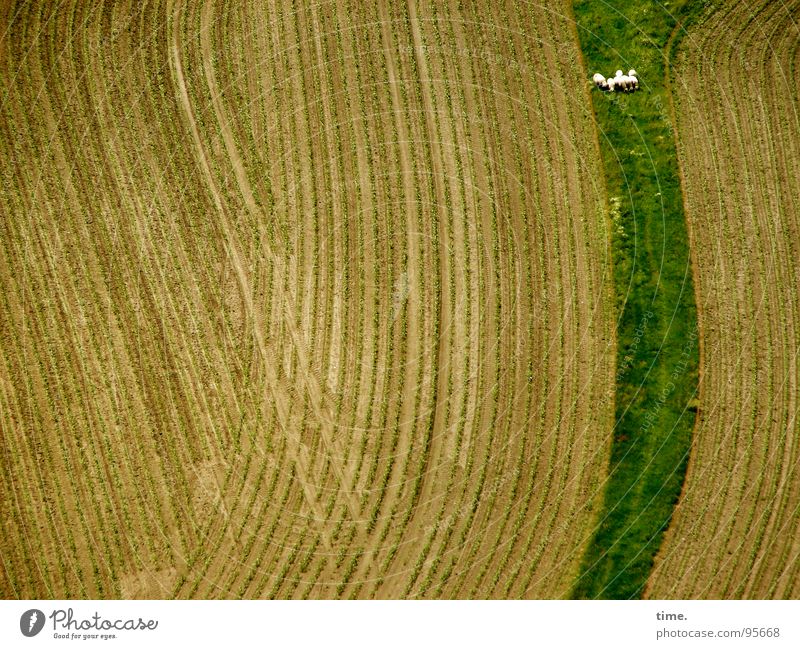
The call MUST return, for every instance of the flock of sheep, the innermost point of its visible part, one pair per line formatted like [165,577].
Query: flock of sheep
[620,82]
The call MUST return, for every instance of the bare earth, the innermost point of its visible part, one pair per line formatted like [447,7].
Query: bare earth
[303,300]
[736,530]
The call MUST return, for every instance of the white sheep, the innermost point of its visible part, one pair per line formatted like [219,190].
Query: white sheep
[600,81]
[628,82]
[619,82]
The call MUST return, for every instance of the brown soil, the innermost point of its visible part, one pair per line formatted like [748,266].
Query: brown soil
[735,531]
[299,301]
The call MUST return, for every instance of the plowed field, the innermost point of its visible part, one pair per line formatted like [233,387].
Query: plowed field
[302,300]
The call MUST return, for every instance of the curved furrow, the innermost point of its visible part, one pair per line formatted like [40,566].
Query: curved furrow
[299,301]
[742,201]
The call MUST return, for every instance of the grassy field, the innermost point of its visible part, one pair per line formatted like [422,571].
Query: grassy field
[736,533]
[657,349]
[299,300]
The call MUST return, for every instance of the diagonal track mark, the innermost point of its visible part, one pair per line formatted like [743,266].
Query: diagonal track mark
[296,451]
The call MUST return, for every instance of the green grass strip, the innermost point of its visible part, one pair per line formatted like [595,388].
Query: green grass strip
[657,354]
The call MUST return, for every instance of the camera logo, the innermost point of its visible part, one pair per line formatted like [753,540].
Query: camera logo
[31,622]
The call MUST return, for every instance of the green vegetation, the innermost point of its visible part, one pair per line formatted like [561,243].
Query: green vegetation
[657,355]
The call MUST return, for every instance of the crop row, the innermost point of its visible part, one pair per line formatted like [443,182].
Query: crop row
[298,301]
[740,174]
